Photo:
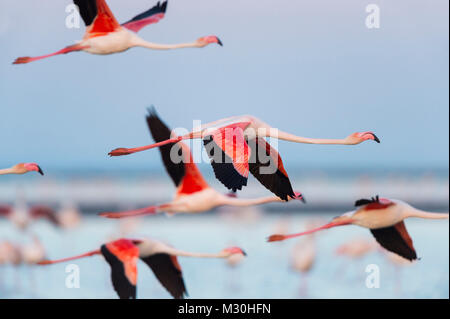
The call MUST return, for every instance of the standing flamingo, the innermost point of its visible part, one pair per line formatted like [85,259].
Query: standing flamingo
[193,194]
[122,256]
[237,146]
[302,260]
[22,168]
[384,217]
[104,35]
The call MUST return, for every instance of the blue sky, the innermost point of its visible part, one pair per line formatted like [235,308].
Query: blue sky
[311,68]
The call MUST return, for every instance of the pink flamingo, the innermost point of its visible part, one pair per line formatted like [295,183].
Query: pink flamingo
[384,217]
[104,35]
[22,168]
[122,256]
[302,260]
[193,194]
[21,216]
[237,146]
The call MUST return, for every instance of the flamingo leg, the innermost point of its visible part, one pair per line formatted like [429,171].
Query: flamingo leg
[71,48]
[150,210]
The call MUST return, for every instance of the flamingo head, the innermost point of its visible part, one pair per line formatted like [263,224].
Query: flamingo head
[23,168]
[299,196]
[233,250]
[204,41]
[360,137]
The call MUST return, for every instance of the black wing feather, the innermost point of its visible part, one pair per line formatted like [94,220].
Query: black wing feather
[391,239]
[223,166]
[88,10]
[158,8]
[277,182]
[168,275]
[365,201]
[124,289]
[160,132]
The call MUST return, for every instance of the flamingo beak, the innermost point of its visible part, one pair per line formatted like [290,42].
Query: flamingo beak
[244,253]
[219,42]
[375,138]
[40,170]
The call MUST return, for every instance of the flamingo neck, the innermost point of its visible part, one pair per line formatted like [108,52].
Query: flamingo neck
[156,46]
[91,253]
[299,139]
[7,171]
[250,202]
[427,215]
[182,253]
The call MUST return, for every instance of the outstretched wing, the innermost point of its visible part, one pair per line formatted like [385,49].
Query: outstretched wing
[168,271]
[229,154]
[122,256]
[396,239]
[177,158]
[266,166]
[153,15]
[5,210]
[97,16]
[44,212]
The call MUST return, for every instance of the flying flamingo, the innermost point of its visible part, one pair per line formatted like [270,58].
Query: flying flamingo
[122,255]
[22,168]
[384,217]
[21,216]
[193,194]
[237,146]
[104,35]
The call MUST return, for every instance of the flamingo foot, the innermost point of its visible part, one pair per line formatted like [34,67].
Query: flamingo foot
[23,60]
[120,151]
[273,238]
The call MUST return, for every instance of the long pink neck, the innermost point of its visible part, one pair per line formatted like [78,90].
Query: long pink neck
[91,253]
[250,202]
[7,171]
[182,253]
[427,215]
[156,46]
[299,139]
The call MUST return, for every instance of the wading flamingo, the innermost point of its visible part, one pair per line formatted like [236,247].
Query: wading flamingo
[384,217]
[193,194]
[122,256]
[22,168]
[237,146]
[104,35]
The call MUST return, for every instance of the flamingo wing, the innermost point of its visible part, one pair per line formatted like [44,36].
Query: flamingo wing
[396,239]
[5,210]
[122,256]
[229,154]
[274,178]
[97,16]
[177,158]
[153,15]
[44,212]
[168,271]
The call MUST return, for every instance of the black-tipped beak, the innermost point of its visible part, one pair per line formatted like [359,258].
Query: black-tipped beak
[375,138]
[302,198]
[244,253]
[219,42]
[40,171]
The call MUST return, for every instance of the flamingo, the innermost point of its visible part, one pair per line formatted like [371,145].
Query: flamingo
[302,260]
[104,35]
[385,219]
[122,255]
[237,146]
[21,216]
[193,194]
[22,168]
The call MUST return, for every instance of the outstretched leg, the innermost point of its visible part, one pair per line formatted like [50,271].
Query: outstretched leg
[71,48]
[151,210]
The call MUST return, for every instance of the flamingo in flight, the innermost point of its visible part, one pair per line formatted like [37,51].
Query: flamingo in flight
[122,256]
[21,216]
[193,195]
[104,35]
[237,146]
[22,168]
[384,217]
